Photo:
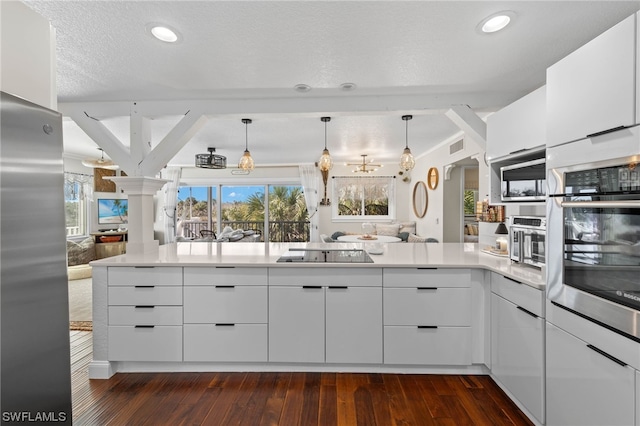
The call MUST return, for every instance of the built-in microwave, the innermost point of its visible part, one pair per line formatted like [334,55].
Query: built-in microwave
[524,181]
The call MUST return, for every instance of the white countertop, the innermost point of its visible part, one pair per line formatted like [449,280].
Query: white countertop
[446,255]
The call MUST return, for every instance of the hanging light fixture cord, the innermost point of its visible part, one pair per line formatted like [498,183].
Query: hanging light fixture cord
[406,130]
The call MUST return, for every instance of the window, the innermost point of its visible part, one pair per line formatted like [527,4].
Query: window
[77,191]
[363,198]
[193,210]
[245,207]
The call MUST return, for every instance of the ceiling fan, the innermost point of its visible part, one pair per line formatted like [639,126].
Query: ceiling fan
[364,166]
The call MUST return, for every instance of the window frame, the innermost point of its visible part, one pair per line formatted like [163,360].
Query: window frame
[389,180]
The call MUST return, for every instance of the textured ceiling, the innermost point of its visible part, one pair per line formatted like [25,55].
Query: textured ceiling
[260,50]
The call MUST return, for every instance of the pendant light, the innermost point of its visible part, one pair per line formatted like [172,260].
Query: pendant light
[407,162]
[101,163]
[211,160]
[246,162]
[325,163]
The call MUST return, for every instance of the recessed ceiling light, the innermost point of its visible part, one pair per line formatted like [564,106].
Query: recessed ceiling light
[163,32]
[348,86]
[301,88]
[496,22]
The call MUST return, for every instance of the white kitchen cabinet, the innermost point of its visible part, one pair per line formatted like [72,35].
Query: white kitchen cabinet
[225,342]
[296,324]
[225,304]
[637,398]
[594,88]
[517,353]
[225,314]
[144,313]
[354,325]
[519,126]
[585,385]
[427,316]
[329,315]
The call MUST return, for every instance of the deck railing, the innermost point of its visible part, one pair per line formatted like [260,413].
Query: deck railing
[279,231]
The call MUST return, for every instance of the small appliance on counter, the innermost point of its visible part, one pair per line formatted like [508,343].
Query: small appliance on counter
[527,240]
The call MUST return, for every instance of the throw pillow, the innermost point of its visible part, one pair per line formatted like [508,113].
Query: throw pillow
[337,234]
[390,230]
[413,238]
[404,236]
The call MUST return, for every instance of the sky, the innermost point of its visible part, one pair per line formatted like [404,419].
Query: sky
[229,193]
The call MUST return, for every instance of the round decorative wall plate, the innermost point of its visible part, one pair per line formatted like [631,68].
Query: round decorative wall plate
[432,178]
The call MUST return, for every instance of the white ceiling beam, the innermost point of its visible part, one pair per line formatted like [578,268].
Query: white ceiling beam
[469,122]
[139,135]
[175,140]
[298,105]
[106,140]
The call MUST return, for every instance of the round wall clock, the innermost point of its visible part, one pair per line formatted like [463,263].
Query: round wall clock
[432,178]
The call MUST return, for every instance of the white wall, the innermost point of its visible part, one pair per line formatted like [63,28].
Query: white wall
[432,225]
[28,59]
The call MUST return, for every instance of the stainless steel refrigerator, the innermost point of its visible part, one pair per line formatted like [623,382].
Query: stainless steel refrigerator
[35,377]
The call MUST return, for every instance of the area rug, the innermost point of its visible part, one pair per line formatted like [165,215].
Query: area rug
[81,325]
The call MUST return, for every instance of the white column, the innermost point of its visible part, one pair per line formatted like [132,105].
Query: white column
[140,191]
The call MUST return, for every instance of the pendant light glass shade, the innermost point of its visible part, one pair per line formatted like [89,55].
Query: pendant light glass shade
[246,162]
[407,162]
[325,163]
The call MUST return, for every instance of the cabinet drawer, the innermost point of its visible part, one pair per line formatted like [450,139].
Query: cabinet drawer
[325,276]
[145,295]
[225,343]
[427,277]
[430,346]
[225,305]
[145,315]
[520,294]
[418,306]
[132,275]
[159,343]
[225,276]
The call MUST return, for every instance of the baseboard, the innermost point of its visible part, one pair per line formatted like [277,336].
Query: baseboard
[100,370]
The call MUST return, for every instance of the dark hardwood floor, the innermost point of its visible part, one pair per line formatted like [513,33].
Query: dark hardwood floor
[283,398]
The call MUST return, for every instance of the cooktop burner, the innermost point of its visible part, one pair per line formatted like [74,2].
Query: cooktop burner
[326,256]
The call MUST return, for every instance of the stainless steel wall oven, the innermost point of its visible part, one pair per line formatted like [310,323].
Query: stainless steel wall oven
[593,265]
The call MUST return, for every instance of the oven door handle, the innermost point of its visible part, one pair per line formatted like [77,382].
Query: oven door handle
[603,204]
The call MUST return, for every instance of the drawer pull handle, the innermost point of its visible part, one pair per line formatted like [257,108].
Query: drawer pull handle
[225,267]
[511,279]
[145,286]
[225,286]
[145,306]
[428,326]
[606,355]
[428,288]
[528,312]
[225,324]
[144,326]
[338,287]
[604,132]
[425,268]
[312,287]
[144,267]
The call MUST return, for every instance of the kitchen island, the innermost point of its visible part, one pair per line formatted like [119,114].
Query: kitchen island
[215,306]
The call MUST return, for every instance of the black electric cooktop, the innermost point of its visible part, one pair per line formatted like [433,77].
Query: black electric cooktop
[326,256]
